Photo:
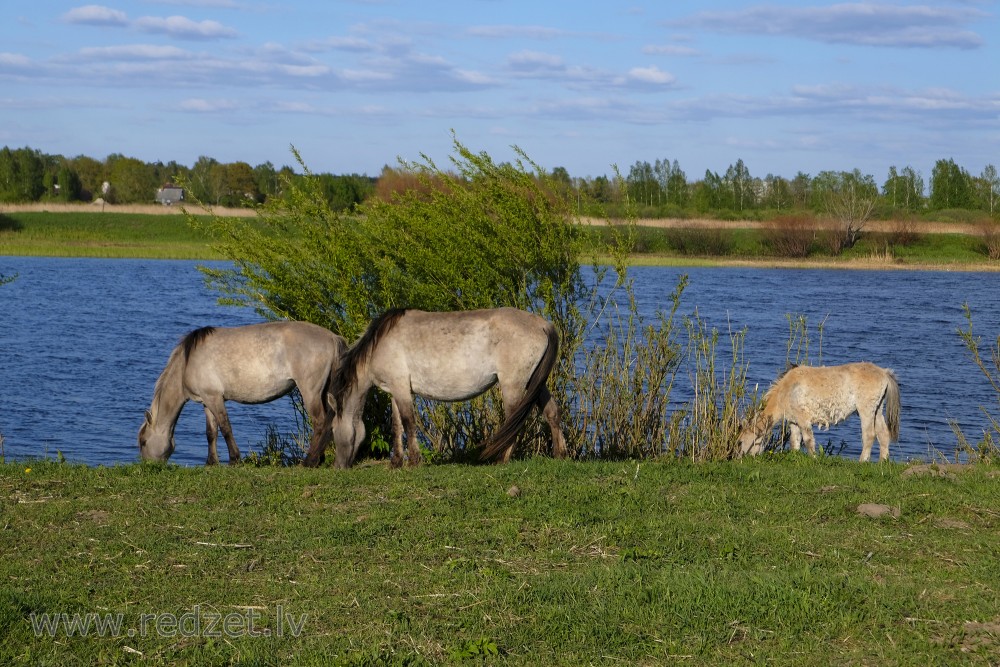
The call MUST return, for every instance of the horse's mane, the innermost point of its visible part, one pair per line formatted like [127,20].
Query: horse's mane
[178,359]
[785,372]
[194,338]
[347,375]
[777,381]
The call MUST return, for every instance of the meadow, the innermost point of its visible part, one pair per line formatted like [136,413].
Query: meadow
[157,232]
[782,559]
[779,559]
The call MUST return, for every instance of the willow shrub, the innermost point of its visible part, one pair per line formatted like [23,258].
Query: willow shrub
[988,447]
[478,235]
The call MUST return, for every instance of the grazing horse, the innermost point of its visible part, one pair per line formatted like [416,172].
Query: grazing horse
[446,357]
[257,363]
[825,395]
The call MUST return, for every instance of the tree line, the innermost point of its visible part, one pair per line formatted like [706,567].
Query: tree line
[660,189]
[28,175]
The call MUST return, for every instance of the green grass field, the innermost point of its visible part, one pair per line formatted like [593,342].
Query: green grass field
[168,236]
[762,561]
[112,235]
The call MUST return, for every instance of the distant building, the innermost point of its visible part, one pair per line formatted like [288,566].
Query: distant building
[170,194]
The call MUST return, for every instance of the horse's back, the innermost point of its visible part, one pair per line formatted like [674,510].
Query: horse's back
[831,393]
[257,362]
[456,355]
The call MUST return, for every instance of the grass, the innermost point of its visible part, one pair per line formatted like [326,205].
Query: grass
[111,235]
[67,232]
[538,562]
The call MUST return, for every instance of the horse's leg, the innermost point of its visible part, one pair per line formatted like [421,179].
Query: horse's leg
[882,432]
[550,409]
[321,428]
[396,458]
[218,408]
[406,418]
[867,435]
[794,436]
[808,438]
[212,433]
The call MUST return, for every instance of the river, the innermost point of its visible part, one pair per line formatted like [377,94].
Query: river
[82,342]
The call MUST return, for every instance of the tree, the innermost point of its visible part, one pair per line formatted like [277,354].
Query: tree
[266,179]
[903,190]
[708,194]
[777,193]
[988,189]
[801,187]
[92,174]
[951,186]
[22,173]
[132,180]
[677,186]
[849,198]
[203,184]
[643,186]
[238,187]
[738,184]
[69,183]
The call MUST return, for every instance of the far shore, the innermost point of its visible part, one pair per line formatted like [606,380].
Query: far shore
[76,248]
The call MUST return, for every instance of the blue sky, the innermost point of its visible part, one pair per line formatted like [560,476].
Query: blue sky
[784,86]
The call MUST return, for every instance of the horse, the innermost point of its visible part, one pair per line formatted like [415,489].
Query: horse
[825,395]
[445,356]
[257,363]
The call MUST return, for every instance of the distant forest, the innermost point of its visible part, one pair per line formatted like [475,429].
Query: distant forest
[658,189]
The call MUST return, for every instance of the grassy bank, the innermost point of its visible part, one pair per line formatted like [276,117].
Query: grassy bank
[146,233]
[94,234]
[537,562]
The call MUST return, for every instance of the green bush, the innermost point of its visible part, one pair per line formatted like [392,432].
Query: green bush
[480,235]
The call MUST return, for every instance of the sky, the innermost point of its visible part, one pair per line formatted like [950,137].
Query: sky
[355,85]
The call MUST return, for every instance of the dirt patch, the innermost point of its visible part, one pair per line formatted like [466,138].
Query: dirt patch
[949,470]
[980,636]
[877,511]
[100,517]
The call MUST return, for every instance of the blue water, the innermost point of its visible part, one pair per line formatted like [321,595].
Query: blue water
[82,342]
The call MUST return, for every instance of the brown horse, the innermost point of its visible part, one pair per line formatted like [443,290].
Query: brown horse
[825,395]
[257,363]
[445,357]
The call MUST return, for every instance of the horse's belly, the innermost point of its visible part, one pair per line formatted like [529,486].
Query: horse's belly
[437,388]
[257,390]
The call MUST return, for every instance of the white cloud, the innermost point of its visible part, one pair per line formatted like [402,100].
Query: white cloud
[514,31]
[184,28]
[653,75]
[867,23]
[670,50]
[96,15]
[200,105]
[135,52]
[14,61]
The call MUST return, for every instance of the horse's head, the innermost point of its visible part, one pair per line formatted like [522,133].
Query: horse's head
[755,430]
[155,444]
[348,431]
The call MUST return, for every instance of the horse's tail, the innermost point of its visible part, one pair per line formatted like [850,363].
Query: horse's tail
[892,404]
[322,433]
[507,433]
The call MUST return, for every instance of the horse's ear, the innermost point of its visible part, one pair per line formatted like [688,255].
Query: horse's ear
[149,417]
